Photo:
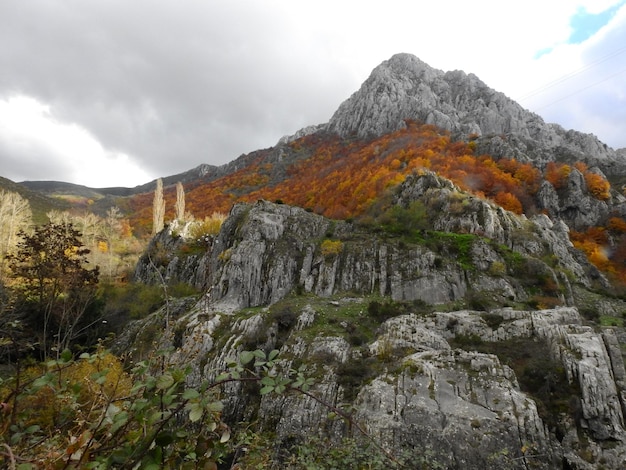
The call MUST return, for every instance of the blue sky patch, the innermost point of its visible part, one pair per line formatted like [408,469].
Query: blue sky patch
[584,25]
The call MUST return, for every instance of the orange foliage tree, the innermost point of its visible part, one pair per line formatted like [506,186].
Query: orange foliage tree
[557,174]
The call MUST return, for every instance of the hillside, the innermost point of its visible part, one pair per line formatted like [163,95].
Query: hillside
[40,204]
[424,260]
[450,328]
[435,278]
[405,118]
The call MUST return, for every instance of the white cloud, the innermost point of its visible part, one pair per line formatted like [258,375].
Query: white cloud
[60,151]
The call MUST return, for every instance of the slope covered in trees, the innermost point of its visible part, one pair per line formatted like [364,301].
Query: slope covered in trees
[343,178]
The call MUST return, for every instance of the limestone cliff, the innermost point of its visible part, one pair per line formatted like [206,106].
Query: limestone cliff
[383,314]
[459,244]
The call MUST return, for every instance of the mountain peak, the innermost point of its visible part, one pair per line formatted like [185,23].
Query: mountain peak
[406,88]
[408,65]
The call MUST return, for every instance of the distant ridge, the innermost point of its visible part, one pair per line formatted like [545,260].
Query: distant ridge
[40,204]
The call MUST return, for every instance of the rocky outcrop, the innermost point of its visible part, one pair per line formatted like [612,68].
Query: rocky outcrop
[547,394]
[265,251]
[500,388]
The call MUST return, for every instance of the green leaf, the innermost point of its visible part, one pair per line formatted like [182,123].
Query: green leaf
[167,399]
[223,376]
[119,420]
[164,381]
[158,416]
[267,389]
[32,429]
[260,354]
[43,381]
[191,394]
[225,436]
[215,406]
[66,355]
[245,357]
[119,456]
[195,412]
[273,354]
[268,381]
[152,466]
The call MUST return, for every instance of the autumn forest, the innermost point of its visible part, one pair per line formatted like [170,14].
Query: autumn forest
[343,178]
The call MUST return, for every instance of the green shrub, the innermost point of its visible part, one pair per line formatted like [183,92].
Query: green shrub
[493,320]
[285,318]
[182,289]
[347,453]
[90,413]
[470,341]
[382,311]
[590,313]
[481,301]
[497,268]
[134,300]
[405,221]
[352,375]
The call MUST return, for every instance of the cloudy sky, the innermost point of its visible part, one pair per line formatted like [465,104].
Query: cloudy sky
[119,92]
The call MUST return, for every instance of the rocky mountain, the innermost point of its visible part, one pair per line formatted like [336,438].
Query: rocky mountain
[400,89]
[454,333]
[450,327]
[457,334]
[404,87]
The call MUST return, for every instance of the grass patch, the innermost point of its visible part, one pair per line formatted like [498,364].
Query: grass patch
[610,320]
[455,245]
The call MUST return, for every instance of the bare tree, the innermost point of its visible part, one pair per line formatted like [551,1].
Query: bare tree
[15,216]
[112,232]
[59,217]
[180,202]
[158,208]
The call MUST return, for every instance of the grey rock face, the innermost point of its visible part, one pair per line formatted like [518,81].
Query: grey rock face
[432,403]
[404,87]
[267,250]
[462,409]
[428,399]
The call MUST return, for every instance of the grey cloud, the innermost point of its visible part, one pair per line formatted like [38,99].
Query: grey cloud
[177,84]
[173,84]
